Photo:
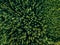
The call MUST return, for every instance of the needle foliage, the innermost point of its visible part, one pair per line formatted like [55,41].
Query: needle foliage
[29,22]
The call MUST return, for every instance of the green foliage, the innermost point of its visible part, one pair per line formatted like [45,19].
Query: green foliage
[29,22]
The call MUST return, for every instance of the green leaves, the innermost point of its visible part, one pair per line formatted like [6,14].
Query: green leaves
[29,22]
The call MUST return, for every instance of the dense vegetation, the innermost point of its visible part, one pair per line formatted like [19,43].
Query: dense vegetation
[29,22]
